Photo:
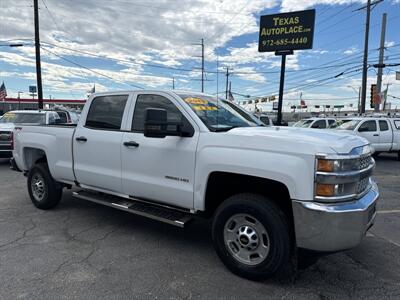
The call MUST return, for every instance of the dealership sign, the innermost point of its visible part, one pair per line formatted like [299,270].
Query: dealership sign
[287,31]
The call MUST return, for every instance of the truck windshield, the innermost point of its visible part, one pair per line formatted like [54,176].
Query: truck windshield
[303,123]
[219,114]
[348,125]
[20,118]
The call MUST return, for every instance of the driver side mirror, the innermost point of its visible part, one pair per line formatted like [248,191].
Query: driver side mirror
[156,124]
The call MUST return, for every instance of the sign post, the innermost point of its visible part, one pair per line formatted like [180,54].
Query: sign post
[283,33]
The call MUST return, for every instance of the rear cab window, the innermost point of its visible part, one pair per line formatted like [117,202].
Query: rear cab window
[63,116]
[106,112]
[383,125]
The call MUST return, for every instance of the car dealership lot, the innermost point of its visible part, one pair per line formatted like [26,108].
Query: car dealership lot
[83,250]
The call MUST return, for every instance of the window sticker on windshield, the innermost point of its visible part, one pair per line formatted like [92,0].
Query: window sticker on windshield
[192,100]
[203,107]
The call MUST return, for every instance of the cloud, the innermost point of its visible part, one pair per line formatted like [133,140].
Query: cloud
[165,30]
[350,51]
[389,44]
[293,5]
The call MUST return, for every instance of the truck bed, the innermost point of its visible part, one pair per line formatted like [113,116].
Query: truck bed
[54,140]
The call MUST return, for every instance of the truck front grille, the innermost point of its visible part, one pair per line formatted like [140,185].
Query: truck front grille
[364,162]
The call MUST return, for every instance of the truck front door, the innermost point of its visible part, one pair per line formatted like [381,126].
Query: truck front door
[97,144]
[369,130]
[159,169]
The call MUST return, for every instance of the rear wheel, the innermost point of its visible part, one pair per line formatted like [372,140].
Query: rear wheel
[251,236]
[43,190]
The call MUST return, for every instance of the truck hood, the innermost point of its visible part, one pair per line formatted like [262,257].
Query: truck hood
[6,126]
[319,140]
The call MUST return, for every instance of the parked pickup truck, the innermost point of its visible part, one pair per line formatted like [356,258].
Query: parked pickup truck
[171,156]
[382,133]
[318,123]
[17,117]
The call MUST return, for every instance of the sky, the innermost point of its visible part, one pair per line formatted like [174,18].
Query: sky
[129,44]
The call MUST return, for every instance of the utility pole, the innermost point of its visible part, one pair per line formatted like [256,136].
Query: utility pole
[365,61]
[380,70]
[230,90]
[202,65]
[173,83]
[227,82]
[37,50]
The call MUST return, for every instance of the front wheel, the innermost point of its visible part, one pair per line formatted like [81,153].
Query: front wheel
[251,236]
[43,190]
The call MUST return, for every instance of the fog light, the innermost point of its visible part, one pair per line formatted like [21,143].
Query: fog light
[325,190]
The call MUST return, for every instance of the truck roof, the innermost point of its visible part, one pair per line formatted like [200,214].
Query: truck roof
[28,111]
[177,92]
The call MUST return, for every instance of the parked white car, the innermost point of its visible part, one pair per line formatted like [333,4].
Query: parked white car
[318,123]
[171,155]
[382,133]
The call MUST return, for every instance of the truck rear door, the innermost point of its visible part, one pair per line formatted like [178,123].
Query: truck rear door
[97,143]
[159,169]
[385,135]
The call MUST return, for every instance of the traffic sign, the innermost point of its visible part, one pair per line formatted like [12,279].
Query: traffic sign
[287,31]
[32,89]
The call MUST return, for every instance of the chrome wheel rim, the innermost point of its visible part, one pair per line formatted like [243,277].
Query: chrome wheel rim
[246,239]
[38,187]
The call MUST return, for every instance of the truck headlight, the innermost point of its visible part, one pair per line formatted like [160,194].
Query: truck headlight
[325,165]
[342,177]
[337,165]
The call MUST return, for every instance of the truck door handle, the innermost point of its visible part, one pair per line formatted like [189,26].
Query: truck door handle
[376,134]
[81,139]
[131,144]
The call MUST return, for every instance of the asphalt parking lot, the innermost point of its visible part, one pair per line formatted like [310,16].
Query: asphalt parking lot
[86,251]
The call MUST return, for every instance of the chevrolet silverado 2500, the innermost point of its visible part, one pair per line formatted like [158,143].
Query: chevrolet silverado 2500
[173,155]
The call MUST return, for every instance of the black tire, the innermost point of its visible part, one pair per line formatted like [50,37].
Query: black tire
[274,221]
[50,191]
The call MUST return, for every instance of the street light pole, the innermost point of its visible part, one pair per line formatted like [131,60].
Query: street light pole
[380,70]
[19,100]
[359,96]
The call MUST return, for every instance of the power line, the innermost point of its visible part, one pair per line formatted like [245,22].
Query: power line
[118,59]
[93,71]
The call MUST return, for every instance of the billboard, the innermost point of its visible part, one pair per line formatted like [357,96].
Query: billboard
[287,31]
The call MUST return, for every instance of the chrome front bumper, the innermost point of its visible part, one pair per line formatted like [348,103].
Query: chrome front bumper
[334,227]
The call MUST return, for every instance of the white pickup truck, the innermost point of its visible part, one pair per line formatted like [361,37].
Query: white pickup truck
[171,155]
[382,133]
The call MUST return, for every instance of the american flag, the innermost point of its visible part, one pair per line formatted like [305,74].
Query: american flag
[3,92]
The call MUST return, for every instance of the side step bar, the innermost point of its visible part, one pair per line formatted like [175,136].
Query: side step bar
[155,212]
